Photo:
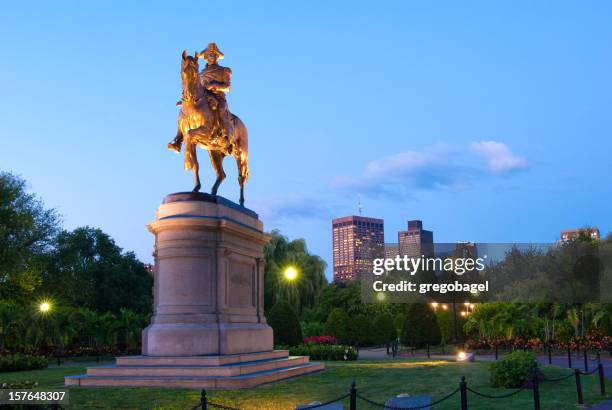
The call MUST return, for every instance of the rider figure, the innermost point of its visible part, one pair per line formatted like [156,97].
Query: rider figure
[216,79]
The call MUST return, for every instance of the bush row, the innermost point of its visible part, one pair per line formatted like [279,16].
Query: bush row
[322,352]
[15,362]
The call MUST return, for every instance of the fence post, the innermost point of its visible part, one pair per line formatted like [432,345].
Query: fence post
[353,398]
[586,361]
[602,380]
[578,386]
[598,357]
[536,389]
[463,390]
[428,355]
[496,355]
[549,355]
[203,400]
[569,358]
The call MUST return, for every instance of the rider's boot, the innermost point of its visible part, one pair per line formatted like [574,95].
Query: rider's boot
[175,144]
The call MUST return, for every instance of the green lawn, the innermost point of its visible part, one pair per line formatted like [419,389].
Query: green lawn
[377,380]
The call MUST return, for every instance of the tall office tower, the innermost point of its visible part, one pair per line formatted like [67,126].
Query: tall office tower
[391,250]
[571,234]
[465,250]
[357,241]
[416,241]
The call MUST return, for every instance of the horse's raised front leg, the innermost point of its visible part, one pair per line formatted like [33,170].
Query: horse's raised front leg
[216,160]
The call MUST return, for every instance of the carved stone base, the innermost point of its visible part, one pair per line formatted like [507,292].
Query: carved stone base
[208,279]
[203,339]
[208,328]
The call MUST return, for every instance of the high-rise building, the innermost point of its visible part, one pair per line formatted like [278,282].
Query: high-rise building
[357,241]
[416,241]
[391,250]
[571,234]
[465,250]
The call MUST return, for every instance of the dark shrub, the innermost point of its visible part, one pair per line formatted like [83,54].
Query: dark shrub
[420,326]
[15,362]
[338,325]
[324,352]
[286,325]
[513,370]
[313,328]
[384,329]
[361,330]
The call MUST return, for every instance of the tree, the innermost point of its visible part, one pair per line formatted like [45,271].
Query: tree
[89,270]
[302,292]
[129,328]
[384,329]
[361,330]
[420,326]
[338,325]
[27,232]
[285,323]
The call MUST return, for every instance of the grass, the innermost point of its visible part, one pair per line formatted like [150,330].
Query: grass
[376,380]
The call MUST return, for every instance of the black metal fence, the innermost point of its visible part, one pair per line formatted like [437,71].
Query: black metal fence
[532,382]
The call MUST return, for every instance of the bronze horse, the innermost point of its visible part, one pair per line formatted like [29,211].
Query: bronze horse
[197,127]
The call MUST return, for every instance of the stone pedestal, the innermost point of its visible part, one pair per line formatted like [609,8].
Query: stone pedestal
[208,296]
[208,329]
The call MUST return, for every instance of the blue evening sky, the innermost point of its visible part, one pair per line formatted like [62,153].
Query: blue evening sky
[490,121]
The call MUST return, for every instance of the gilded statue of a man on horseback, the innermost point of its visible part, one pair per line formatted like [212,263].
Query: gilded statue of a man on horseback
[205,120]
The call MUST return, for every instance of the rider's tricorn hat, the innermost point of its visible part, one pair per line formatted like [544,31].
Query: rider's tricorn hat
[212,49]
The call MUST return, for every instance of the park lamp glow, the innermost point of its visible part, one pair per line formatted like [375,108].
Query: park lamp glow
[434,305]
[291,273]
[380,296]
[44,307]
[463,356]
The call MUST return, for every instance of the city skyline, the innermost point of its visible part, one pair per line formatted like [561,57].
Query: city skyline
[486,143]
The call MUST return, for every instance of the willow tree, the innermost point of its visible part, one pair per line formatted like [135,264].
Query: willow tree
[300,292]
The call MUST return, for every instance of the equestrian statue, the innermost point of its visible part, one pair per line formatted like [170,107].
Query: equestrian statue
[205,120]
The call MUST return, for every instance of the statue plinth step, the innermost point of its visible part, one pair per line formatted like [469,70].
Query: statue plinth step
[213,360]
[178,380]
[198,371]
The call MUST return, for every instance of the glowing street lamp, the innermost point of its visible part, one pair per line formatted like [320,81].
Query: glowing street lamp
[434,305]
[465,356]
[291,273]
[444,307]
[44,307]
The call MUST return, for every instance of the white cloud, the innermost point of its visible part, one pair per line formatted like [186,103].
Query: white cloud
[441,167]
[499,157]
[291,208]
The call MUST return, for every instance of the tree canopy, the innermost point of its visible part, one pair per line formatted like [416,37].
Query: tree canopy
[27,234]
[302,292]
